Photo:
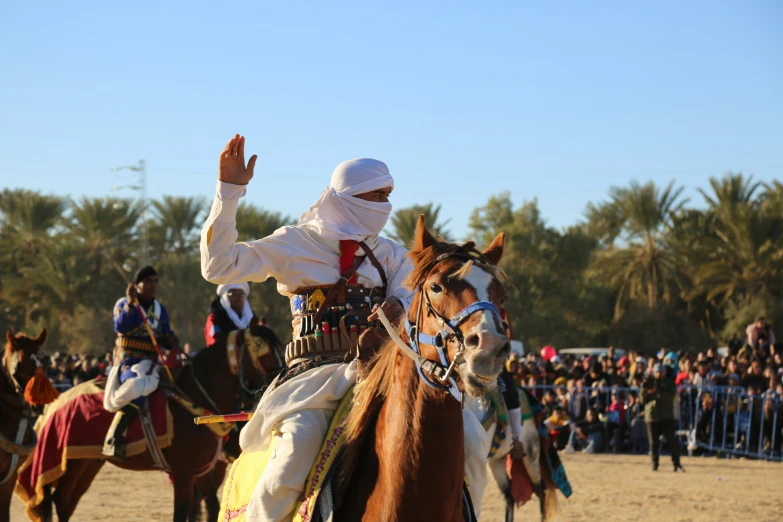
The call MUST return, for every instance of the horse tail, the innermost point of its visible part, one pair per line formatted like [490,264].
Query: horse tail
[552,504]
[46,505]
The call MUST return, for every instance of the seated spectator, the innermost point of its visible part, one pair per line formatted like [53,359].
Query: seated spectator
[588,435]
[558,426]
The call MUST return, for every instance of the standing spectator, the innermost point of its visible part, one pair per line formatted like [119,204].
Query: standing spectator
[595,375]
[754,377]
[637,436]
[616,425]
[658,395]
[759,330]
[684,376]
[735,344]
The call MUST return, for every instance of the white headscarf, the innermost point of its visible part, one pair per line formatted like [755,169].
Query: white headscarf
[247,313]
[338,215]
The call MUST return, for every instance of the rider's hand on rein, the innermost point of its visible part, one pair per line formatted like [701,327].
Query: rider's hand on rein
[232,163]
[393,309]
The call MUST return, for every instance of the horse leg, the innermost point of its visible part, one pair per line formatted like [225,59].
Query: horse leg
[73,485]
[6,491]
[206,488]
[498,469]
[210,495]
[531,441]
[541,494]
[184,487]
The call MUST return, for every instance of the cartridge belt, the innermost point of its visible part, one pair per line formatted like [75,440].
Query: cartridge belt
[131,343]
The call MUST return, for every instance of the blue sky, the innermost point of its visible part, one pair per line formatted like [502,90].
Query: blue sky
[462,101]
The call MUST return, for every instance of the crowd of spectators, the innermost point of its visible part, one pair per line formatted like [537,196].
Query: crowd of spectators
[66,370]
[592,403]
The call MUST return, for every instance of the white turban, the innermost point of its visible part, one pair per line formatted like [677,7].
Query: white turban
[247,314]
[338,215]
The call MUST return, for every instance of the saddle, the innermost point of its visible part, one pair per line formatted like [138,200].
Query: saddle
[317,502]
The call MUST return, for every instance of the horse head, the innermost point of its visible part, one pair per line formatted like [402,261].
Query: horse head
[457,305]
[264,351]
[21,357]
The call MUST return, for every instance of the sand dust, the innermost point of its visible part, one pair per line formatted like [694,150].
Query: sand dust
[607,488]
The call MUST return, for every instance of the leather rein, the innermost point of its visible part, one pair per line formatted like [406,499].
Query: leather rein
[437,374]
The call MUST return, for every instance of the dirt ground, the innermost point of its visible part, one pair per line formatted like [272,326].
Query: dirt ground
[607,488]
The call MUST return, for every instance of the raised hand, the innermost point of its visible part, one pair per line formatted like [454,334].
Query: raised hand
[232,163]
[131,294]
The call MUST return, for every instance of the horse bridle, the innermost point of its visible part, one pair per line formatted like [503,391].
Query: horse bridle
[438,374]
[27,415]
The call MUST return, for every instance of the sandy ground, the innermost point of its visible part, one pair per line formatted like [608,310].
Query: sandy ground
[607,488]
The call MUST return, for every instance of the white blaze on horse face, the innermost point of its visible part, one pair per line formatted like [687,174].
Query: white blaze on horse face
[480,280]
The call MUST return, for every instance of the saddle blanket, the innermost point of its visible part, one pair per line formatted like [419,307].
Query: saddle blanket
[74,427]
[246,471]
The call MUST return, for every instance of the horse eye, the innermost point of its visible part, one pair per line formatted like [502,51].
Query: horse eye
[436,289]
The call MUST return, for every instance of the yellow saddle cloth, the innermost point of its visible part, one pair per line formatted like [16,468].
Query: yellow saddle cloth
[246,471]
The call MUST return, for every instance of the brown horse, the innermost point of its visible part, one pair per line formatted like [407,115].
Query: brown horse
[404,459]
[16,433]
[209,382]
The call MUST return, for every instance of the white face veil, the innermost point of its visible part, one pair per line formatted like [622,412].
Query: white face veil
[247,314]
[338,215]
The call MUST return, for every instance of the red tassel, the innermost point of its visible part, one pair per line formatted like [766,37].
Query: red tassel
[39,389]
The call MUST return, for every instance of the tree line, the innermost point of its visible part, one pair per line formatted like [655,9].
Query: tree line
[645,268]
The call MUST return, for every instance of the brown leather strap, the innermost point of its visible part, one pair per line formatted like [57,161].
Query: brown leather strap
[337,289]
[376,264]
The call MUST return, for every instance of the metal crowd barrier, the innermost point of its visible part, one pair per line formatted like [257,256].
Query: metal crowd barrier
[733,423]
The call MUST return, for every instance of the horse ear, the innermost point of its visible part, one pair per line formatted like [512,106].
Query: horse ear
[11,339]
[422,239]
[495,250]
[41,337]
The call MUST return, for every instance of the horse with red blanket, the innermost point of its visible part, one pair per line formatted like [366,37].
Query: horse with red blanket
[69,453]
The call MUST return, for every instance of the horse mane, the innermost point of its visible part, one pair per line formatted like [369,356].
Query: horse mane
[425,260]
[371,392]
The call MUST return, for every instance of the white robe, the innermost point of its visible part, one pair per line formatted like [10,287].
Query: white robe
[296,257]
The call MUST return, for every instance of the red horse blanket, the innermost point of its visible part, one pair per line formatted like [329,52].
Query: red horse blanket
[74,427]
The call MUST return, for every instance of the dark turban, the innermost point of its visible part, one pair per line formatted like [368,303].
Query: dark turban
[143,274]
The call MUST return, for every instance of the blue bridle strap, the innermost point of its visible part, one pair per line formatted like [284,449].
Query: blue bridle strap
[454,323]
[439,342]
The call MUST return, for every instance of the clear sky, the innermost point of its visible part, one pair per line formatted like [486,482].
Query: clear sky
[461,100]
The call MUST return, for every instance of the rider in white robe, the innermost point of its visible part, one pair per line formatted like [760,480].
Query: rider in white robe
[307,255]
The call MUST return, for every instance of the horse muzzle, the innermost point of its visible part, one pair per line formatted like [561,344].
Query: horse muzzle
[485,354]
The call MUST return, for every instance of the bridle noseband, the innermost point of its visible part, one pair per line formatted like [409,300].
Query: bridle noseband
[438,374]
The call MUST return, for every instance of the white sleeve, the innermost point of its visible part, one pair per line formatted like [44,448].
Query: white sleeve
[398,274]
[223,259]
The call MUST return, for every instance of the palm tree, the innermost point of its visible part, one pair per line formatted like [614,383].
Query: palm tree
[730,192]
[404,223]
[106,230]
[177,225]
[27,222]
[743,255]
[645,268]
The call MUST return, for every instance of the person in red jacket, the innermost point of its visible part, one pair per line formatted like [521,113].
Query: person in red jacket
[229,311]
